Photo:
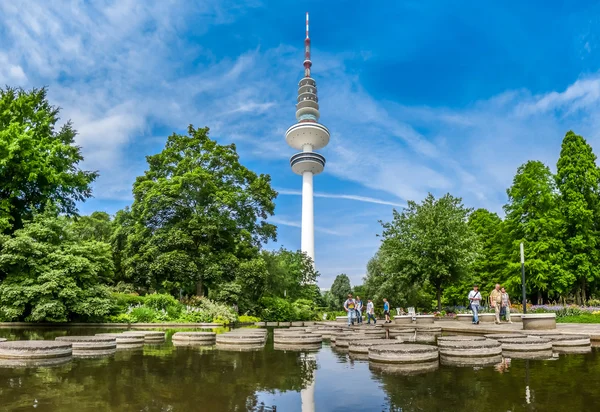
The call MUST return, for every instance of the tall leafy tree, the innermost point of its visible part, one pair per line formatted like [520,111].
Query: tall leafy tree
[51,274]
[532,217]
[578,181]
[38,160]
[431,243]
[290,274]
[340,289]
[197,214]
[97,226]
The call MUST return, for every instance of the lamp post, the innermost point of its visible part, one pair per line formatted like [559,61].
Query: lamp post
[523,278]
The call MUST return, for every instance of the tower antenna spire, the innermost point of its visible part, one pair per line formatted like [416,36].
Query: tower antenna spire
[307,62]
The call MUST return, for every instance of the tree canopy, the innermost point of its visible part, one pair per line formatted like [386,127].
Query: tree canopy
[38,160]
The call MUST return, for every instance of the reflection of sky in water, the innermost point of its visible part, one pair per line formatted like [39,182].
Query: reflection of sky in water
[342,384]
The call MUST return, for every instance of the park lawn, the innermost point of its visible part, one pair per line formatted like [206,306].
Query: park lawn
[586,318]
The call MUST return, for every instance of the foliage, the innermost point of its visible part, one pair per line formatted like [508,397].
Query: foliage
[248,319]
[276,310]
[339,290]
[583,318]
[38,162]
[197,214]
[430,243]
[160,301]
[51,275]
[578,181]
[532,217]
[290,274]
[304,309]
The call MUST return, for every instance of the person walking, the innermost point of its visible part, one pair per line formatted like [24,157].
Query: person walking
[350,306]
[496,302]
[474,299]
[386,310]
[359,308]
[506,305]
[371,312]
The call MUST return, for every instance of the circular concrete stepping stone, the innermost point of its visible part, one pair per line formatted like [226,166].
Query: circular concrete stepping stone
[362,346]
[459,338]
[374,332]
[34,353]
[298,339]
[90,346]
[193,338]
[505,336]
[2,340]
[150,336]
[565,343]
[403,353]
[402,332]
[126,341]
[470,352]
[240,339]
[298,348]
[531,347]
[404,368]
[344,341]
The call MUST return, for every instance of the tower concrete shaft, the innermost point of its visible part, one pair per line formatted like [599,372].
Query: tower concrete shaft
[307,135]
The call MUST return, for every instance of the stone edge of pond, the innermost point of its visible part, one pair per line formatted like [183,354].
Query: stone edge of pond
[111,325]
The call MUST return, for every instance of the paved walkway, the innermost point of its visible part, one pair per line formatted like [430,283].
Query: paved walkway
[591,329]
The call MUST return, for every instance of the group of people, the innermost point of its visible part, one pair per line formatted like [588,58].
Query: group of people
[499,300]
[354,308]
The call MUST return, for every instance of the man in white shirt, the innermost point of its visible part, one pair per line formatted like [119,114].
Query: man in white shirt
[370,312]
[474,299]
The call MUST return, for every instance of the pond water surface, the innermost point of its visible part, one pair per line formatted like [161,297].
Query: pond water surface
[166,378]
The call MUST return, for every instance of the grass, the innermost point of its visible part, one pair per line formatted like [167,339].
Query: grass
[586,318]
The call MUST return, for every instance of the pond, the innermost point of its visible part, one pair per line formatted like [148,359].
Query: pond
[166,378]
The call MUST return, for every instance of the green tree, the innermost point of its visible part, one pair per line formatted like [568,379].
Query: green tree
[532,217]
[51,275]
[38,160]
[430,243]
[578,181]
[340,289]
[197,214]
[290,274]
[97,226]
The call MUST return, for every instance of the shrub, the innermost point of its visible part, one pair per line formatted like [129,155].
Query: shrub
[248,319]
[276,310]
[160,301]
[123,301]
[195,315]
[120,318]
[304,310]
[593,302]
[143,314]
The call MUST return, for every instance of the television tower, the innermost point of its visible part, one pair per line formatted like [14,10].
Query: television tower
[307,135]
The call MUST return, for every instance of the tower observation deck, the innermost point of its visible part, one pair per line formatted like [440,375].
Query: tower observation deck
[307,135]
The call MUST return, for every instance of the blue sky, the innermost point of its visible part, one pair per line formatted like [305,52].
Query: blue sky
[419,96]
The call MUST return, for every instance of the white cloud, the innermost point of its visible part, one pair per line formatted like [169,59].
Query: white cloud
[366,199]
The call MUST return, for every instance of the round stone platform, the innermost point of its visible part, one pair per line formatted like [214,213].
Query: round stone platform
[298,339]
[2,340]
[531,347]
[565,343]
[297,348]
[362,346]
[150,336]
[375,333]
[230,338]
[34,353]
[403,320]
[125,341]
[344,341]
[404,354]
[405,334]
[537,321]
[90,346]
[470,352]
[459,338]
[404,368]
[505,336]
[194,338]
